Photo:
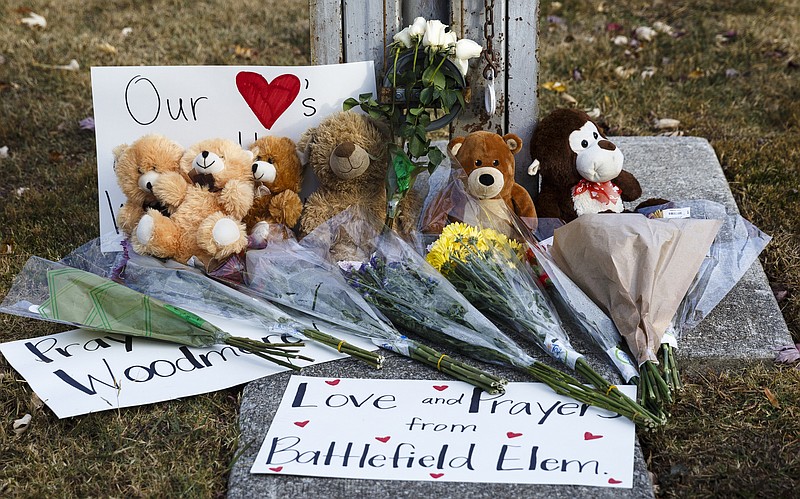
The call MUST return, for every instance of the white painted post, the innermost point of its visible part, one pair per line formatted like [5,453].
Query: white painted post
[359,30]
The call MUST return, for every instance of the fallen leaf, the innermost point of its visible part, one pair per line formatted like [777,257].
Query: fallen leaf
[601,7]
[55,156]
[697,73]
[107,48]
[666,124]
[34,20]
[3,152]
[243,52]
[20,191]
[663,27]
[645,33]
[620,40]
[127,30]
[648,72]
[36,402]
[21,425]
[593,113]
[86,123]
[554,86]
[555,6]
[788,354]
[623,72]
[72,66]
[568,98]
[772,398]
[731,73]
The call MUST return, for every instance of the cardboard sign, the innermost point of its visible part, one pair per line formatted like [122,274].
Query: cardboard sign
[78,372]
[193,103]
[445,431]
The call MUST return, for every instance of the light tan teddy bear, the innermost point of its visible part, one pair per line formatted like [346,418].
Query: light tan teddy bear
[207,222]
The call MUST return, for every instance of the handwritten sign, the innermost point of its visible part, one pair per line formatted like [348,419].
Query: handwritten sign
[78,372]
[193,103]
[445,431]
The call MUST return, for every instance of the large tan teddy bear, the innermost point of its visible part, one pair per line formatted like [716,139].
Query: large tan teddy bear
[348,154]
[138,168]
[278,174]
[207,222]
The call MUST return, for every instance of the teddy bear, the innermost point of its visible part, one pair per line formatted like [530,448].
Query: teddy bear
[138,168]
[581,170]
[348,154]
[207,220]
[278,174]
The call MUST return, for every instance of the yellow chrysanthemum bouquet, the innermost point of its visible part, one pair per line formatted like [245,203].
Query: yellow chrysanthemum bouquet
[492,272]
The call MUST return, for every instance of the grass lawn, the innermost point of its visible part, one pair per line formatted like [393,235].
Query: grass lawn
[729,72]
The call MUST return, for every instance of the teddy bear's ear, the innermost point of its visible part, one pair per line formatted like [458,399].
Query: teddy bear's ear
[304,145]
[513,142]
[455,145]
[119,151]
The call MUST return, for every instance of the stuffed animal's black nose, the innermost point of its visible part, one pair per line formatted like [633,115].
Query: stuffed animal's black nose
[486,179]
[607,145]
[204,154]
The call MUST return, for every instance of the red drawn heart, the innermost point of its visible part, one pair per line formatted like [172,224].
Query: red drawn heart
[383,439]
[590,436]
[267,100]
[437,475]
[301,424]
[333,382]
[276,470]
[440,387]
[511,434]
[614,482]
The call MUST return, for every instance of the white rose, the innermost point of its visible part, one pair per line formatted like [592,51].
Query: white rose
[467,49]
[462,65]
[417,29]
[435,35]
[404,38]
[450,39]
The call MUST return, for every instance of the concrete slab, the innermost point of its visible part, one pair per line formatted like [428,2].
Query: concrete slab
[744,327]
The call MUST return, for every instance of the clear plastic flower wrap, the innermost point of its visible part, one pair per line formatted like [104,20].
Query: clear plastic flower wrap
[56,292]
[389,274]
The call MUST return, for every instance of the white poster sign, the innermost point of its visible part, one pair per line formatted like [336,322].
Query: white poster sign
[445,431]
[193,103]
[78,372]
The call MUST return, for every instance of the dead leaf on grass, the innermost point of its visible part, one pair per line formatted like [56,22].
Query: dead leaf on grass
[666,124]
[20,191]
[623,72]
[86,123]
[772,398]
[645,33]
[22,424]
[3,152]
[34,20]
[55,156]
[648,72]
[697,73]
[36,402]
[72,66]
[593,113]
[620,40]
[663,27]
[568,98]
[554,86]
[243,52]
[107,48]
[555,6]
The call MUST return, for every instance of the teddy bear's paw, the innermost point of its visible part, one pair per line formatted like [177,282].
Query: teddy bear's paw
[144,231]
[225,232]
[221,236]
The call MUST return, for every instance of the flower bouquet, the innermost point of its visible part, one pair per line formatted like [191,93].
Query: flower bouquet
[55,292]
[492,272]
[417,298]
[637,270]
[424,91]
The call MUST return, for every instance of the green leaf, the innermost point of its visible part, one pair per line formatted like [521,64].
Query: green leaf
[435,156]
[365,97]
[439,80]
[349,104]
[417,147]
[426,96]
[415,111]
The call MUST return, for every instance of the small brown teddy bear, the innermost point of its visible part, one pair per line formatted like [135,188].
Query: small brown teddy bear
[278,174]
[581,170]
[138,168]
[488,160]
[207,221]
[348,154]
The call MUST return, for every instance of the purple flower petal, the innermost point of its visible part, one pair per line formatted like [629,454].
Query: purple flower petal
[87,123]
[788,354]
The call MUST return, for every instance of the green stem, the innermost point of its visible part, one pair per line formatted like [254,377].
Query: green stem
[373,359]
